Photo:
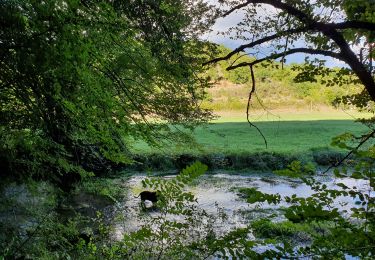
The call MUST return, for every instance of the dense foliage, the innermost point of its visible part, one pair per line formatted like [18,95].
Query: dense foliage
[80,79]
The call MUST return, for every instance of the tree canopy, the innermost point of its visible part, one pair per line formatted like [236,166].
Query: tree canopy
[78,78]
[329,28]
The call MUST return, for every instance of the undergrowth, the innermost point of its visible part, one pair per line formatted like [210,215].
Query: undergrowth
[259,161]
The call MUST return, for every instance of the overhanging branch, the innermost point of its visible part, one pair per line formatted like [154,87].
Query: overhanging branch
[277,4]
[340,26]
[368,26]
[354,24]
[286,53]
[258,42]
[237,7]
[331,32]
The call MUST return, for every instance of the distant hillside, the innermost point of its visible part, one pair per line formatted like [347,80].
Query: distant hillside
[275,88]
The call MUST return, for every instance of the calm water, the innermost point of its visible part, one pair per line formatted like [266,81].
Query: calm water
[217,194]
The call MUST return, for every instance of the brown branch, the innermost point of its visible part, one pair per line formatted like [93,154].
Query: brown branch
[277,4]
[286,53]
[368,26]
[236,8]
[248,105]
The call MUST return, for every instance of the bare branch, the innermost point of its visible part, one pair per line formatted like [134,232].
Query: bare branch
[248,105]
[286,53]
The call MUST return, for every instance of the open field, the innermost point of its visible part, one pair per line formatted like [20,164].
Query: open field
[286,132]
[282,136]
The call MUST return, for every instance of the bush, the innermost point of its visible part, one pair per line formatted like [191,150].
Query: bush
[259,161]
[144,162]
[327,156]
[254,161]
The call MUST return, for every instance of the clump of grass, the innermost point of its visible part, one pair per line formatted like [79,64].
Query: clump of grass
[252,195]
[288,231]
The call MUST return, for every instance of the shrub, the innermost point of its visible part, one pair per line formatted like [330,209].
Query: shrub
[327,156]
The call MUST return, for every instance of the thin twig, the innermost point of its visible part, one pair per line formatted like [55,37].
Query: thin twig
[370,135]
[248,105]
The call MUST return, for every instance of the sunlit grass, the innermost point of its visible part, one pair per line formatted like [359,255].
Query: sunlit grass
[285,131]
[281,136]
[324,113]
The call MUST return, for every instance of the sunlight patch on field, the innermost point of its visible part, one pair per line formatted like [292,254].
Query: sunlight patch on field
[289,115]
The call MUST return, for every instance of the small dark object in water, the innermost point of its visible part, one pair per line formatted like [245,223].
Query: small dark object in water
[149,195]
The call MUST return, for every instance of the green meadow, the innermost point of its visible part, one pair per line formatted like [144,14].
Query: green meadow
[281,136]
[285,131]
